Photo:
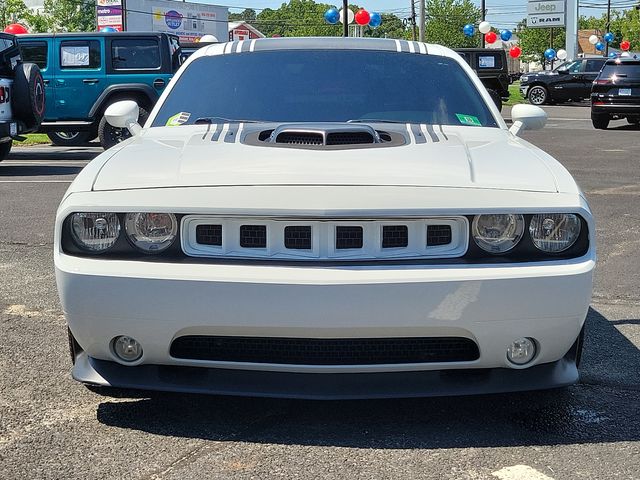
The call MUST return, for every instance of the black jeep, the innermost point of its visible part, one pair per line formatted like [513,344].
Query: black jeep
[491,67]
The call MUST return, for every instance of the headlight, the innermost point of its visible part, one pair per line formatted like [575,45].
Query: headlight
[151,232]
[95,232]
[497,233]
[554,232]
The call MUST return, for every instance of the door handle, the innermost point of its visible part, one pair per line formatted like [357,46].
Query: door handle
[159,83]
[45,81]
[90,81]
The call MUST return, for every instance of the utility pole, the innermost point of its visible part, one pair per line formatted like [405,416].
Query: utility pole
[483,7]
[422,23]
[345,18]
[606,30]
[413,20]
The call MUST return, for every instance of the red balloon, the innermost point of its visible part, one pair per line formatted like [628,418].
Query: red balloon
[515,51]
[15,29]
[362,17]
[625,45]
[490,37]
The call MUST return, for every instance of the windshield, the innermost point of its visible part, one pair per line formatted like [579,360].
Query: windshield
[325,86]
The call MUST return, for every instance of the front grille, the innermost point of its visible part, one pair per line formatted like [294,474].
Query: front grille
[349,138]
[316,351]
[348,237]
[395,236]
[300,138]
[297,238]
[253,236]
[209,235]
[438,235]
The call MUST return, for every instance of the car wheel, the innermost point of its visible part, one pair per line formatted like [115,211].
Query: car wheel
[497,99]
[5,148]
[600,120]
[538,95]
[110,135]
[28,99]
[70,139]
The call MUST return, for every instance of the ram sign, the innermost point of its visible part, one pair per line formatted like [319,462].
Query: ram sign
[546,13]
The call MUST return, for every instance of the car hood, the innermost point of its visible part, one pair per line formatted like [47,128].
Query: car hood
[201,155]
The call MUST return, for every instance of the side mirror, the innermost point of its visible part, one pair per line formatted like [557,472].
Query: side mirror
[527,117]
[124,114]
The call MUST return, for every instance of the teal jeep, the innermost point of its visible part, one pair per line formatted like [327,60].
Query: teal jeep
[84,73]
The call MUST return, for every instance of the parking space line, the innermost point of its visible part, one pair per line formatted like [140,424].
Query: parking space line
[520,472]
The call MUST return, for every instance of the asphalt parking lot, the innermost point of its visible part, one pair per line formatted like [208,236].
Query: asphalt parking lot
[52,427]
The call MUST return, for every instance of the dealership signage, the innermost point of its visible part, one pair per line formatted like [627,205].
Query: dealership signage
[546,13]
[109,14]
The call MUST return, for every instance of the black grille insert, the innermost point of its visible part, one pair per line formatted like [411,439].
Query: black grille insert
[438,235]
[348,237]
[253,236]
[209,235]
[297,237]
[349,138]
[300,138]
[318,351]
[395,236]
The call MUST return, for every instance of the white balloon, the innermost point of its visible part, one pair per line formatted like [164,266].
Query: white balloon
[593,39]
[208,39]
[484,27]
[350,16]
[562,54]
[625,54]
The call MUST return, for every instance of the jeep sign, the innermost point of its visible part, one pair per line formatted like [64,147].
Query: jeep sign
[546,13]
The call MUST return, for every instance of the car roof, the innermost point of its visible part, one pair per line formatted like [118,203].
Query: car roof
[93,34]
[623,61]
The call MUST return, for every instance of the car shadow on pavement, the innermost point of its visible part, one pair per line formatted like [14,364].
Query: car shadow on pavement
[48,152]
[603,407]
[37,170]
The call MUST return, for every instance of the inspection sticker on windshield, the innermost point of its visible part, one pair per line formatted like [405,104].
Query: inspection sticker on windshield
[468,120]
[178,119]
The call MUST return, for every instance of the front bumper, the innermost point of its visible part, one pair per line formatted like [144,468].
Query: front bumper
[523,90]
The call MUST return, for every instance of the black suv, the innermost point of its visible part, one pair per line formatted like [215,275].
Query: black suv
[570,81]
[616,93]
[492,68]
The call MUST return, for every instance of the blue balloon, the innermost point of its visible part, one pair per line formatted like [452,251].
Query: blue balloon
[600,46]
[609,37]
[332,16]
[375,20]
[613,55]
[549,54]
[505,35]
[469,30]
[108,29]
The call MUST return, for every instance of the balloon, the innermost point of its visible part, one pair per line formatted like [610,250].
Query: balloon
[376,20]
[490,37]
[15,29]
[593,39]
[515,51]
[332,16]
[469,30]
[625,45]
[350,16]
[362,17]
[484,27]
[108,29]
[613,55]
[561,54]
[609,37]
[599,46]
[208,39]
[625,54]
[549,54]
[505,35]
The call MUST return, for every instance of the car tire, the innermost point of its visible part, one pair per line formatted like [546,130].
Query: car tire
[538,95]
[5,148]
[110,136]
[28,100]
[70,139]
[600,120]
[497,99]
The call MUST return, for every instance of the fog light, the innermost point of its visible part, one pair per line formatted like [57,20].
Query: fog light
[127,349]
[521,351]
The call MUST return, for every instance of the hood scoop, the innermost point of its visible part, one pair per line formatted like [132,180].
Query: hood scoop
[319,136]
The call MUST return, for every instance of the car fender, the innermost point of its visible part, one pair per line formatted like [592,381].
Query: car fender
[123,88]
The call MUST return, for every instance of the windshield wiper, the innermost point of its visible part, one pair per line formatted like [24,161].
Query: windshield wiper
[210,120]
[376,120]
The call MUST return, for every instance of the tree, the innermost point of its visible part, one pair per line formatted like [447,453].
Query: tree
[12,11]
[534,41]
[298,18]
[445,19]
[247,15]
[392,27]
[70,15]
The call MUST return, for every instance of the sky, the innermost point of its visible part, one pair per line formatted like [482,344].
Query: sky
[501,13]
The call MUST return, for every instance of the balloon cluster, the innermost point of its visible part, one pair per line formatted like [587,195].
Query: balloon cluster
[362,17]
[491,37]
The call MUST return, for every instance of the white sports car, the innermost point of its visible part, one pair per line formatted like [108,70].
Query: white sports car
[325,218]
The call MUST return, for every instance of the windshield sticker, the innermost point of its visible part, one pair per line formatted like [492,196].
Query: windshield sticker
[468,120]
[178,119]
